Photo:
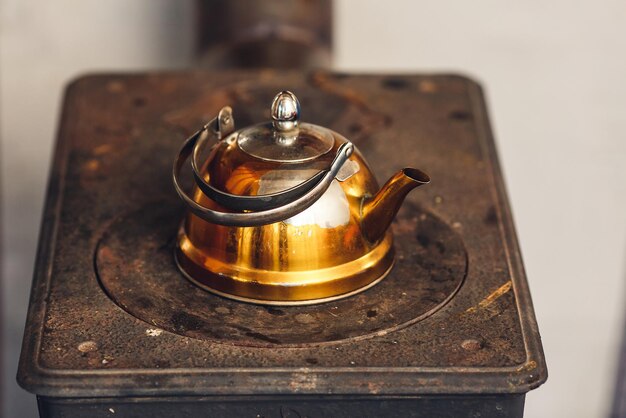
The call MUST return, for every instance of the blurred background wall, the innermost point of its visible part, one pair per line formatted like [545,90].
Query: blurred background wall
[555,78]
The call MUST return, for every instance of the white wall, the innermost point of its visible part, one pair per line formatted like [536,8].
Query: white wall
[44,44]
[555,79]
[555,74]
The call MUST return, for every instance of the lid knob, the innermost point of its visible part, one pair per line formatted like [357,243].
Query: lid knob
[285,111]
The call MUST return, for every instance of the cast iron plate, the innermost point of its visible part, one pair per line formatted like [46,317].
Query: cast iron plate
[135,265]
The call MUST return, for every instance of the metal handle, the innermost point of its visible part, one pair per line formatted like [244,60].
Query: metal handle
[265,209]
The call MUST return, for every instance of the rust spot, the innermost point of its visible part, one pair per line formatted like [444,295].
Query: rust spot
[275,311]
[325,82]
[491,217]
[427,86]
[355,128]
[102,149]
[144,302]
[106,254]
[492,297]
[460,115]
[395,83]
[303,382]
[340,76]
[423,239]
[530,365]
[115,86]
[403,225]
[185,322]
[471,345]
[202,109]
[87,346]
[139,102]
[373,388]
[262,337]
[92,165]
[305,318]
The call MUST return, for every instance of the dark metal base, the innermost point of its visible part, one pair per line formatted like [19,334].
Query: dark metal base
[292,407]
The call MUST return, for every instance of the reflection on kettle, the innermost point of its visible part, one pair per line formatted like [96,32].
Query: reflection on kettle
[285,212]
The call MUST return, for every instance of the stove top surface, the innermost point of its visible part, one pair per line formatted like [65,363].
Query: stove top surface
[111,315]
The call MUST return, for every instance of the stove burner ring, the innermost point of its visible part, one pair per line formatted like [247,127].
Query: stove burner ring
[136,269]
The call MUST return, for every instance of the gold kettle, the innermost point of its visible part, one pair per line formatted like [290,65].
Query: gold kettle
[285,212]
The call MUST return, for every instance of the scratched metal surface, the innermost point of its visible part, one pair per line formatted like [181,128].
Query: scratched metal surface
[118,137]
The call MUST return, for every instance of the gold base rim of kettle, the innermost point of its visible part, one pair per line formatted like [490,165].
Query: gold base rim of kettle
[277,287]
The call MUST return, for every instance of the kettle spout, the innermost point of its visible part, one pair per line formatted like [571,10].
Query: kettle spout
[379,211]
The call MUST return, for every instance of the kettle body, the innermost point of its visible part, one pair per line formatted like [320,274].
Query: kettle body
[289,214]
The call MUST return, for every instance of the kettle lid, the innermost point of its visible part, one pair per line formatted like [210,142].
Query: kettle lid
[285,139]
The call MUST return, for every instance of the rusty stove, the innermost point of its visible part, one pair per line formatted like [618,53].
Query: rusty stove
[114,329]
